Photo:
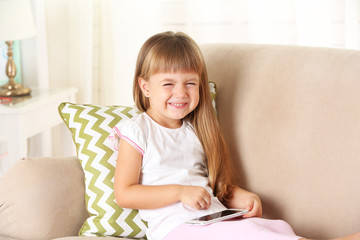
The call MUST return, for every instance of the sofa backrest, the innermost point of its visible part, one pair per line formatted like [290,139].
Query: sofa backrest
[291,117]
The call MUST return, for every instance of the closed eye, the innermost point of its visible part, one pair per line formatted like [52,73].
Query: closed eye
[191,83]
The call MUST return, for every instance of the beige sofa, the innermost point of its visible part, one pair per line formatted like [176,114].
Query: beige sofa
[291,116]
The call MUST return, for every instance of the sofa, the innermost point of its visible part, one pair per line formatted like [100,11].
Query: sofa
[291,118]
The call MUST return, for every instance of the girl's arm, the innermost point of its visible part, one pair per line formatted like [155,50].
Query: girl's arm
[130,194]
[245,200]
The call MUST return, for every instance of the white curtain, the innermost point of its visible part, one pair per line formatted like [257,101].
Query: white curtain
[93,44]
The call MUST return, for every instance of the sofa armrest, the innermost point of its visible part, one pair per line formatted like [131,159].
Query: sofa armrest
[42,198]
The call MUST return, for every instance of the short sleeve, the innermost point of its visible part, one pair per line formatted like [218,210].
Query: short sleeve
[131,133]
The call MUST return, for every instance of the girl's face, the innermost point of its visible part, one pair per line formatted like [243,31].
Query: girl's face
[172,96]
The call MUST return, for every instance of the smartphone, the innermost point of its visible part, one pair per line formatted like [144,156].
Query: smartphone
[218,216]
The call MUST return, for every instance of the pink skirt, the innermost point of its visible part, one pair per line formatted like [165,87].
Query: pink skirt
[246,229]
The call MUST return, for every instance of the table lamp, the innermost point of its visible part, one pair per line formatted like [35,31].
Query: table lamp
[16,22]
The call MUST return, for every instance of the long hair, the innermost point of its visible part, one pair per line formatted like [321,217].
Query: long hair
[177,52]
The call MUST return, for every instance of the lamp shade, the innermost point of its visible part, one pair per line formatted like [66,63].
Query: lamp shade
[16,20]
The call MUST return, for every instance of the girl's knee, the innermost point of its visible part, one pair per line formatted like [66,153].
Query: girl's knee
[282,223]
[279,226]
[283,227]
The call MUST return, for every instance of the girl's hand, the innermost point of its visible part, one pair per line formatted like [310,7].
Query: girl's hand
[195,197]
[253,206]
[243,199]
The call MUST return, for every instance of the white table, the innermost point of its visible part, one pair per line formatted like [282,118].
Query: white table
[24,118]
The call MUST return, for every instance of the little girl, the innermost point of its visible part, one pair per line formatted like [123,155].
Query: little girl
[173,164]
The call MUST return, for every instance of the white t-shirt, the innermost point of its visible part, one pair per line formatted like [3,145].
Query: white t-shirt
[170,156]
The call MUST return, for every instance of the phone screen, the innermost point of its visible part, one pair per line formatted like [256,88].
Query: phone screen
[218,215]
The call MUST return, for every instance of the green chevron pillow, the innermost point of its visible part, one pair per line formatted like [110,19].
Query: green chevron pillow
[90,125]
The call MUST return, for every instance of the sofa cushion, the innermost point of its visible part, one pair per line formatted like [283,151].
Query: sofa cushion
[42,198]
[290,116]
[84,238]
[90,125]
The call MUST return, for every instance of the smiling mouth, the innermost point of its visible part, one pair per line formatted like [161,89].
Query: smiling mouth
[177,104]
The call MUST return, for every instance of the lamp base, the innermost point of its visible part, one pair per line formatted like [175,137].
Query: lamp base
[14,90]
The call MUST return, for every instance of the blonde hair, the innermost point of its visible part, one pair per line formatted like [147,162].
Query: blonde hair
[177,52]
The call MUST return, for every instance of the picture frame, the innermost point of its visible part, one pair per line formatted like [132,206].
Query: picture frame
[3,60]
